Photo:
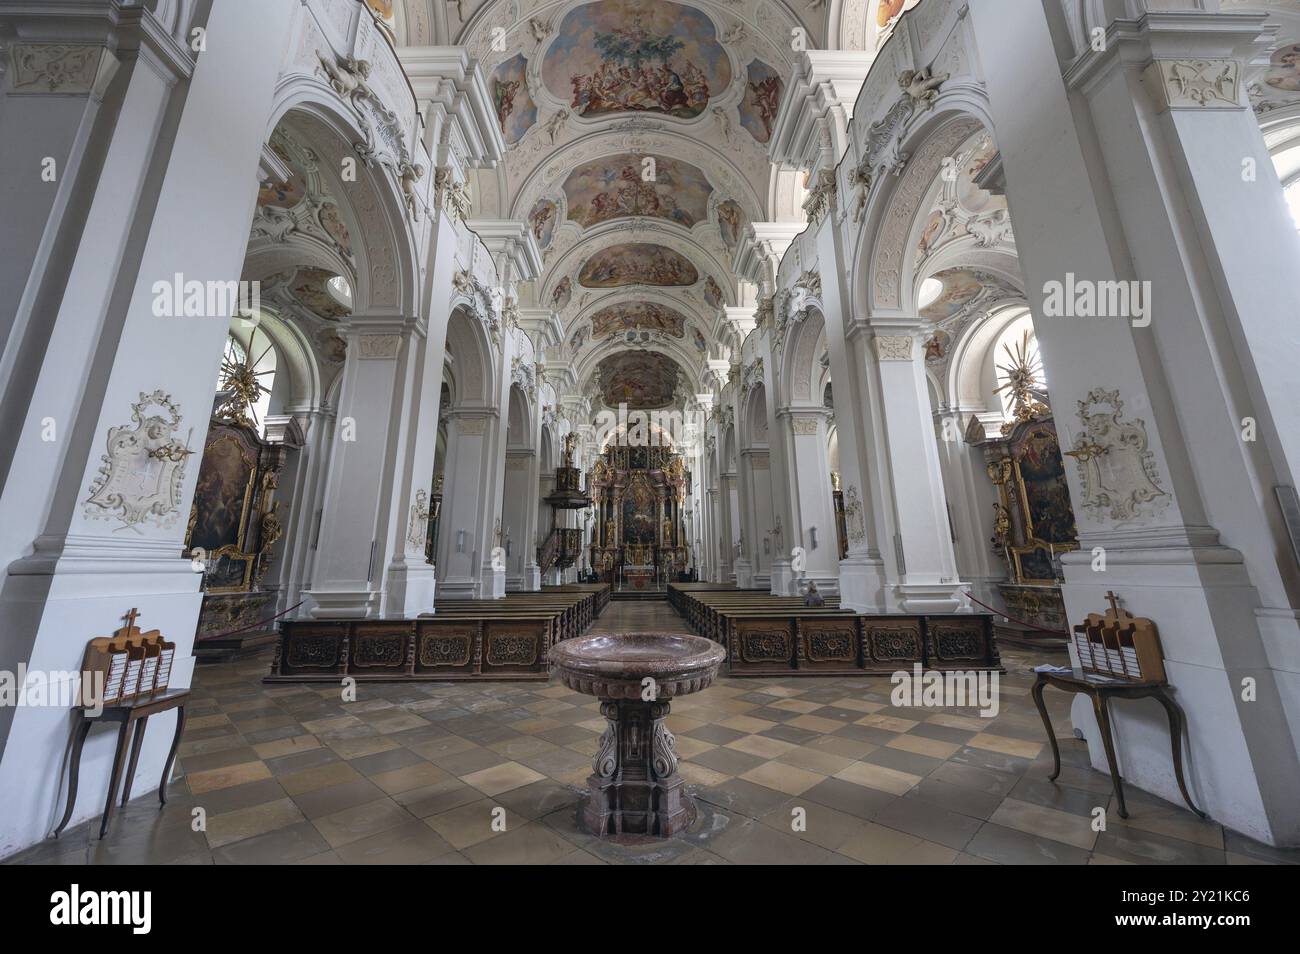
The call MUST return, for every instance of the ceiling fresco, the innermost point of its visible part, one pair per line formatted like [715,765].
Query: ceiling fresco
[758,109]
[637,263]
[636,150]
[968,293]
[541,219]
[616,319]
[617,56]
[516,111]
[624,185]
[639,379]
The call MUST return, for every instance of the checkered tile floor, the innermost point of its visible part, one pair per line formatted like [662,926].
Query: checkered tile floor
[807,770]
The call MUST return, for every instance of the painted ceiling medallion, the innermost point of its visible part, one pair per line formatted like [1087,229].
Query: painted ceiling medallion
[516,111]
[637,264]
[639,379]
[648,315]
[310,288]
[541,219]
[763,88]
[623,185]
[617,56]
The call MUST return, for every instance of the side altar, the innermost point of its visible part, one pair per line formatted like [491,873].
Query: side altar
[1034,521]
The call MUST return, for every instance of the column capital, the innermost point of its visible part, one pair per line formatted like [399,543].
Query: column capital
[513,248]
[761,247]
[810,130]
[1210,51]
[453,94]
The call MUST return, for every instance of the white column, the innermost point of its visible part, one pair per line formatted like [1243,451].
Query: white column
[812,524]
[76,566]
[863,574]
[970,495]
[1150,182]
[358,515]
[922,543]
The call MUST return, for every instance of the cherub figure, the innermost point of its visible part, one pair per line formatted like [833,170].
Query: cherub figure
[921,85]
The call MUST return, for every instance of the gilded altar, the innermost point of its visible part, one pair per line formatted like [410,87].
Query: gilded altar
[234,524]
[639,495]
[1034,520]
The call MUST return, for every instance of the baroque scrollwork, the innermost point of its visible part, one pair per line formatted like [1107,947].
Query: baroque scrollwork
[141,474]
[1117,469]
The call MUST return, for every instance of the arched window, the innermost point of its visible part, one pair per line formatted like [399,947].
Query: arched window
[1292,194]
[247,374]
[1017,363]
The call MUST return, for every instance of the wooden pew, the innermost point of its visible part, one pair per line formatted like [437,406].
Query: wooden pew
[767,635]
[463,639]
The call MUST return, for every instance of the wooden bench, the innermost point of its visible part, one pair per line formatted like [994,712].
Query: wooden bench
[767,635]
[505,639]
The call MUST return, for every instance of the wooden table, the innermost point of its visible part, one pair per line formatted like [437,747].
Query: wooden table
[1101,692]
[126,714]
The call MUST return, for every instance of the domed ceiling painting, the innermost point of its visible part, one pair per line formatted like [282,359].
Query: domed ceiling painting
[616,319]
[639,379]
[637,264]
[623,185]
[619,56]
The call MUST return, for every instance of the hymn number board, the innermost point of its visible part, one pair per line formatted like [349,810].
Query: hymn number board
[133,665]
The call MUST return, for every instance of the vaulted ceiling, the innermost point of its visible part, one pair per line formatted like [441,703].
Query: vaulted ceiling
[637,149]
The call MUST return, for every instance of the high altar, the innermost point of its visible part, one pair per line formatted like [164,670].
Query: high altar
[639,495]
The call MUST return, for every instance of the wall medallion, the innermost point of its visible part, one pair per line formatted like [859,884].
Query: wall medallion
[1117,470]
[140,476]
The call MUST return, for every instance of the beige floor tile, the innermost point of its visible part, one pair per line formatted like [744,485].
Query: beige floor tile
[361,821]
[1046,822]
[533,726]
[796,705]
[207,721]
[839,745]
[878,845]
[297,743]
[950,721]
[468,824]
[857,705]
[749,724]
[878,777]
[815,761]
[1020,748]
[246,822]
[881,720]
[697,774]
[322,776]
[317,726]
[1175,824]
[360,748]
[213,779]
[530,844]
[923,746]
[502,778]
[547,705]
[676,724]
[782,777]
[761,746]
[688,747]
[815,723]
[411,776]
